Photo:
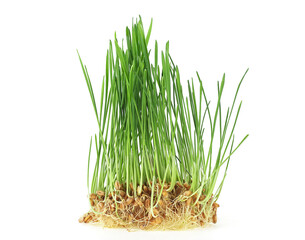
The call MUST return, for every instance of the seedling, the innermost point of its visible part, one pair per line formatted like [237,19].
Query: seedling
[156,165]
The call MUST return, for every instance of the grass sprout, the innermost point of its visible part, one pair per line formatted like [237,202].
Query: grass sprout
[152,132]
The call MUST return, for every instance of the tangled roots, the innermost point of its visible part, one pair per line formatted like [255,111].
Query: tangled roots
[168,210]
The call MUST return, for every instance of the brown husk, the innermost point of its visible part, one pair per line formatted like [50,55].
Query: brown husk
[176,209]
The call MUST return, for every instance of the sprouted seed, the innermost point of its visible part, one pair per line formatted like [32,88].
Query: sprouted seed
[155,165]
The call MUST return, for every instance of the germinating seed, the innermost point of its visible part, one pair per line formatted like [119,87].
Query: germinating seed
[152,149]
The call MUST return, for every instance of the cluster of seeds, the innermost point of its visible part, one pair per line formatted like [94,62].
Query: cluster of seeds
[139,211]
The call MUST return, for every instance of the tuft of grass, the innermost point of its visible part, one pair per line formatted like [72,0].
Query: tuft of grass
[151,130]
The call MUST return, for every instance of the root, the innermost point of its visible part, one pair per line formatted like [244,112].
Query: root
[178,209]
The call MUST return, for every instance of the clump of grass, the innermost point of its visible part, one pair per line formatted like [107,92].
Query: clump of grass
[155,165]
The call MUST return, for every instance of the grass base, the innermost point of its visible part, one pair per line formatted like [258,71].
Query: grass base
[178,209]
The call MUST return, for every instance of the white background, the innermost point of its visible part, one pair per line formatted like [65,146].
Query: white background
[46,117]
